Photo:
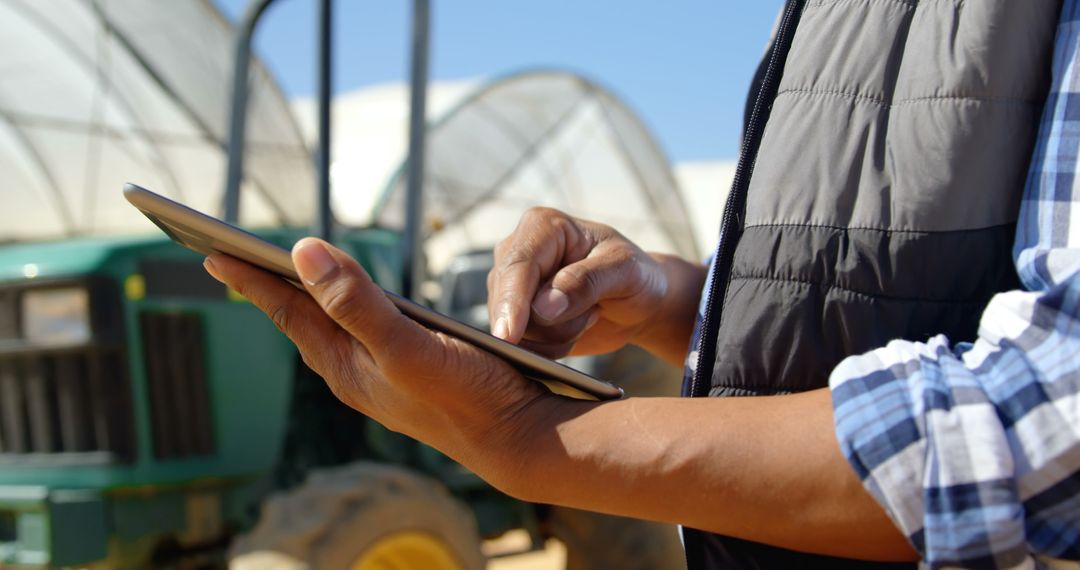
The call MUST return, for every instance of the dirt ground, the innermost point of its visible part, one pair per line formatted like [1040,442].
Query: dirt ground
[551,558]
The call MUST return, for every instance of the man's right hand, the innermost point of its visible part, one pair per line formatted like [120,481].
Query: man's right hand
[561,285]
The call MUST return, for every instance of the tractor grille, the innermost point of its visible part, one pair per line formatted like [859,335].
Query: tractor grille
[9,324]
[69,401]
[181,418]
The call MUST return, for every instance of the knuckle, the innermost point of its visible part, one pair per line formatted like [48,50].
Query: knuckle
[279,314]
[561,223]
[618,253]
[277,308]
[346,388]
[341,303]
[516,256]
[346,378]
[541,217]
[511,252]
[593,284]
[536,214]
[502,247]
[516,266]
[578,279]
[242,288]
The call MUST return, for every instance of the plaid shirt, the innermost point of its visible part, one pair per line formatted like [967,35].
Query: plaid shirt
[974,449]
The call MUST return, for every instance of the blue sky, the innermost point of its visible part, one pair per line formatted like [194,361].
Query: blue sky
[684,66]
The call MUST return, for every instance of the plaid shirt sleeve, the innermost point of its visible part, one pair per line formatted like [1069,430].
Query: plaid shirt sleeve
[974,450]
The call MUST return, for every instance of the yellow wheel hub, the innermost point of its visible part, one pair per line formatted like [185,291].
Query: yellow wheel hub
[407,550]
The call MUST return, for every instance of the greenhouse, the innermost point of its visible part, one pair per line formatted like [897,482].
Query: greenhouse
[539,138]
[98,94]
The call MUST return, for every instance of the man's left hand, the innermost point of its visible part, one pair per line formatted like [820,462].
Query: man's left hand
[460,399]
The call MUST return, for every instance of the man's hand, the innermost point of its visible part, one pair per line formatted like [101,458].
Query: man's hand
[425,384]
[562,285]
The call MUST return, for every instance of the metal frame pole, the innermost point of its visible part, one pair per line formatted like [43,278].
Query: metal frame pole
[238,115]
[412,253]
[323,218]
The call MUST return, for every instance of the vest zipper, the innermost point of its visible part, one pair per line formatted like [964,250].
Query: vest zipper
[734,209]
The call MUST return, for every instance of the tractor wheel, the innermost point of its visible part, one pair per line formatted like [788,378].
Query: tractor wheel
[362,516]
[596,541]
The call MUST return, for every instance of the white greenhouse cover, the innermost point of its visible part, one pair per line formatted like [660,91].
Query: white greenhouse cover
[95,94]
[100,93]
[540,138]
[704,186]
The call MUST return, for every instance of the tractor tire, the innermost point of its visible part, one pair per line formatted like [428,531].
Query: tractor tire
[362,516]
[597,541]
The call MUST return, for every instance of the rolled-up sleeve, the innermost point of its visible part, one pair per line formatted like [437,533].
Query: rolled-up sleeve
[974,451]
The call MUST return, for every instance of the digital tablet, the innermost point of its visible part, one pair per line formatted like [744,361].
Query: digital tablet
[206,235]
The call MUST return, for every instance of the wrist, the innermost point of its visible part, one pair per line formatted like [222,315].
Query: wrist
[522,462]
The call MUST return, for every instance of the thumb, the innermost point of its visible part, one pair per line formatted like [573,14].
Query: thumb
[348,296]
[576,288]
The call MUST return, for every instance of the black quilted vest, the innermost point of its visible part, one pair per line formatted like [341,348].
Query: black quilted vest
[876,198]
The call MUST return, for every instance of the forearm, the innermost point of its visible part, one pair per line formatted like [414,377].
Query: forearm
[764,469]
[668,335]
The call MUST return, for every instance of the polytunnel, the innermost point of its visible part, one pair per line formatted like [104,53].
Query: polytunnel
[537,138]
[96,94]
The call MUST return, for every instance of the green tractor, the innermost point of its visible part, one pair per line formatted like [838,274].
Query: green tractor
[151,418]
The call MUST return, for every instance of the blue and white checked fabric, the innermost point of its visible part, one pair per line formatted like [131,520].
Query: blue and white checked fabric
[974,449]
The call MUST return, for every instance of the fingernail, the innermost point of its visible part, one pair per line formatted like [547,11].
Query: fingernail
[593,319]
[501,329]
[314,263]
[208,264]
[550,304]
